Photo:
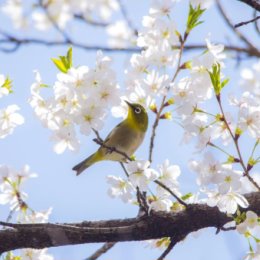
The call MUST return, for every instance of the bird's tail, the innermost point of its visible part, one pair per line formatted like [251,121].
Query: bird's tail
[82,166]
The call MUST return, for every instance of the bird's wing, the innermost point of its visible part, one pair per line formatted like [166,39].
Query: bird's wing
[114,130]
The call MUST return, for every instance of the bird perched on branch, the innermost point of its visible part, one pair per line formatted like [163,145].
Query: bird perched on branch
[122,141]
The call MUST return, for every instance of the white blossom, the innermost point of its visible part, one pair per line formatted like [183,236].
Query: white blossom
[120,35]
[81,98]
[9,119]
[35,254]
[161,204]
[228,202]
[140,174]
[15,10]
[250,79]
[120,188]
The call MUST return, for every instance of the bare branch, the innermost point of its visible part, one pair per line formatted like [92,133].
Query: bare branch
[90,22]
[256,23]
[230,25]
[153,226]
[126,17]
[102,250]
[247,22]
[235,141]
[171,246]
[172,193]
[52,20]
[15,43]
[167,251]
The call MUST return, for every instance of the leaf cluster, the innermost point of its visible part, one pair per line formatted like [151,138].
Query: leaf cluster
[64,63]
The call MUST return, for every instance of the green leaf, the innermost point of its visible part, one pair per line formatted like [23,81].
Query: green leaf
[193,18]
[186,196]
[44,85]
[224,83]
[60,65]
[215,77]
[69,57]
[10,256]
[8,84]
[64,63]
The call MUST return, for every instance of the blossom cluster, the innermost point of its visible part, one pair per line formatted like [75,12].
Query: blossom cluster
[141,176]
[82,97]
[11,182]
[149,78]
[146,78]
[222,184]
[59,12]
[9,118]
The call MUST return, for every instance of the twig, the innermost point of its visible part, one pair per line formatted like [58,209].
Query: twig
[230,25]
[90,22]
[110,149]
[126,17]
[158,114]
[155,125]
[224,229]
[55,25]
[102,250]
[141,198]
[256,23]
[19,42]
[171,192]
[168,250]
[124,169]
[174,240]
[253,3]
[247,22]
[235,140]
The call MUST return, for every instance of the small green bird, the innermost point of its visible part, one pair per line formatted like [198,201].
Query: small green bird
[126,137]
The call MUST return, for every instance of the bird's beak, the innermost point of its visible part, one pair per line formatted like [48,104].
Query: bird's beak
[128,103]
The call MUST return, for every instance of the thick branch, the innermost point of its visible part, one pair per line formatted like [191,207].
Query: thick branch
[154,226]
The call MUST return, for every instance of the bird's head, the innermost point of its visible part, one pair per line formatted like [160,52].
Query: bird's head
[137,116]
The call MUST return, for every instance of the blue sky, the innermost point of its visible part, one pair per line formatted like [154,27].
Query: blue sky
[72,197]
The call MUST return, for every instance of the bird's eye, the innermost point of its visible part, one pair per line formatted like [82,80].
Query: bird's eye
[137,110]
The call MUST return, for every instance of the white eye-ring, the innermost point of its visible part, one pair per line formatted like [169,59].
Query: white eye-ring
[137,110]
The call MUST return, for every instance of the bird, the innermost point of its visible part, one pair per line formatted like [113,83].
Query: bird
[126,137]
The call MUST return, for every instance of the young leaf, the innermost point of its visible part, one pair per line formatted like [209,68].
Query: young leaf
[215,77]
[64,63]
[69,57]
[193,18]
[60,65]
[8,84]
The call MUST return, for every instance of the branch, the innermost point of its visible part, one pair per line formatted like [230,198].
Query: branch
[247,22]
[17,42]
[172,193]
[102,250]
[230,25]
[171,246]
[156,225]
[253,3]
[126,17]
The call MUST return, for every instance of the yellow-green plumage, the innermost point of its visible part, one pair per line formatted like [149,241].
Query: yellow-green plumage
[125,137]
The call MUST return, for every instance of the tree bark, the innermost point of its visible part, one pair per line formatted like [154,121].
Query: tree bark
[154,226]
